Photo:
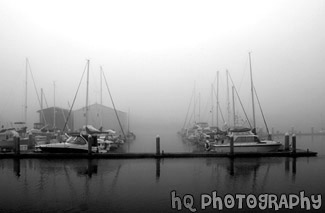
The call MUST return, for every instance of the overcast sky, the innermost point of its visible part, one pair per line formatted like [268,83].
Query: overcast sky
[154,52]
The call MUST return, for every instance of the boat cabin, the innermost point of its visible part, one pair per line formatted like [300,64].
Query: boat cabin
[246,139]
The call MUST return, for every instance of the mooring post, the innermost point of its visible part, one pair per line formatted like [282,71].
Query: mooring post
[17,145]
[294,143]
[286,142]
[231,145]
[90,140]
[157,145]
[31,142]
[48,138]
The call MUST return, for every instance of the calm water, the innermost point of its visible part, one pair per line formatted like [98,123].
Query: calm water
[145,185]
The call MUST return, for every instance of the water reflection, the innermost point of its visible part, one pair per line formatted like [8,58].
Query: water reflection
[91,168]
[99,185]
[287,165]
[17,167]
[158,169]
[293,169]
[81,170]
[144,185]
[294,166]
[235,168]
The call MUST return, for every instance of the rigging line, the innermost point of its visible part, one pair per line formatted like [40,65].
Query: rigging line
[189,106]
[223,119]
[38,98]
[47,106]
[259,104]
[215,78]
[110,95]
[192,116]
[240,100]
[189,121]
[218,104]
[65,119]
[195,103]
[65,124]
[206,109]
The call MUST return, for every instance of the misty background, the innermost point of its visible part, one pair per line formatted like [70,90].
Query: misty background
[154,53]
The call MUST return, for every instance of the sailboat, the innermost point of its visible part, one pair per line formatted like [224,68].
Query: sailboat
[19,129]
[75,143]
[245,139]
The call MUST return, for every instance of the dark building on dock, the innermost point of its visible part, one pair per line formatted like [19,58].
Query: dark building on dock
[98,116]
[55,118]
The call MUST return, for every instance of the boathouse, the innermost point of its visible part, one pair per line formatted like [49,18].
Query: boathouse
[99,116]
[54,118]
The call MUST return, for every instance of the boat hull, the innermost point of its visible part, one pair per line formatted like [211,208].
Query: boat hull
[246,147]
[62,150]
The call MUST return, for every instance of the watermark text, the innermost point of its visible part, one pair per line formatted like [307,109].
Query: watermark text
[250,201]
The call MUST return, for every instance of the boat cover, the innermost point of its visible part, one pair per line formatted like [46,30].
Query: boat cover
[239,129]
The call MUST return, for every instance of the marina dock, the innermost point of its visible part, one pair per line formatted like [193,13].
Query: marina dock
[287,151]
[30,154]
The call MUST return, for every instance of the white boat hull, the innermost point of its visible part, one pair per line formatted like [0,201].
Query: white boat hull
[64,148]
[247,147]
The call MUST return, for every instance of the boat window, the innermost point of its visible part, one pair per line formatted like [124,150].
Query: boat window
[80,141]
[247,139]
[71,139]
[256,139]
[76,140]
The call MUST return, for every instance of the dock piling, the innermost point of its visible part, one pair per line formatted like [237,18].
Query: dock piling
[90,140]
[294,147]
[231,146]
[31,141]
[286,142]
[157,145]
[17,145]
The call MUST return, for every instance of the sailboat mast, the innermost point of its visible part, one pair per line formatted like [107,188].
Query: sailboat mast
[194,104]
[42,117]
[212,108]
[101,96]
[26,91]
[199,107]
[128,121]
[54,116]
[228,102]
[101,85]
[252,91]
[217,99]
[233,104]
[87,92]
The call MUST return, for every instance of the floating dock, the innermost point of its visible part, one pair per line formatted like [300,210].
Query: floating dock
[30,154]
[286,152]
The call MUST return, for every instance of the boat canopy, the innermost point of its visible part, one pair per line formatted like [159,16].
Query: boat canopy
[239,129]
[19,122]
[90,129]
[216,129]
[202,124]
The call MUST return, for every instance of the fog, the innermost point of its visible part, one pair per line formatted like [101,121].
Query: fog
[154,53]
